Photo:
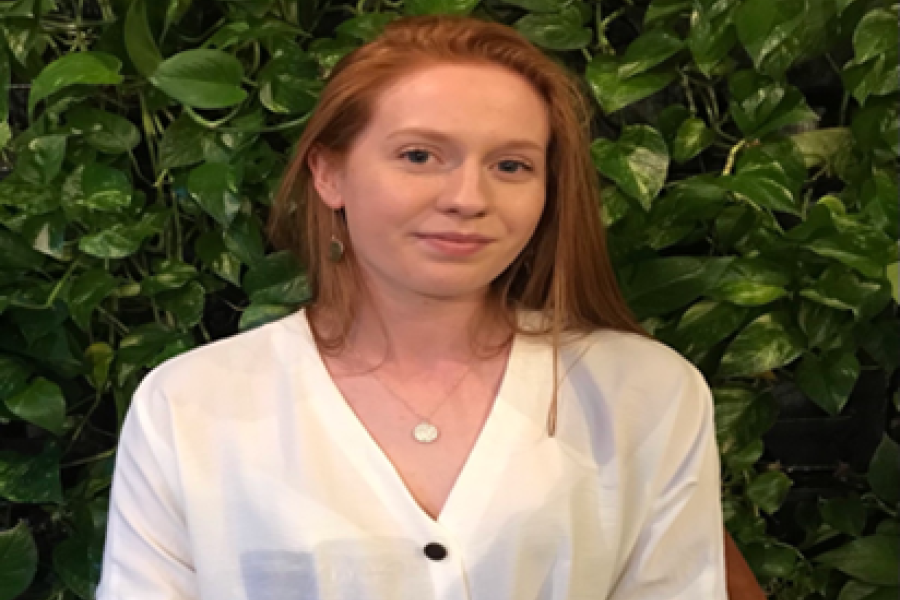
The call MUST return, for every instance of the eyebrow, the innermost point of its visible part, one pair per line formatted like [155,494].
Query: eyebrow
[443,137]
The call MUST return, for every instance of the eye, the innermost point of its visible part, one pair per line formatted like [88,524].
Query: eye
[526,166]
[423,154]
[416,152]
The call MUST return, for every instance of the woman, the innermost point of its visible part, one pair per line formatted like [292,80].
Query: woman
[466,409]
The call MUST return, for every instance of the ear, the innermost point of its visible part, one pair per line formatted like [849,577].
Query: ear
[326,176]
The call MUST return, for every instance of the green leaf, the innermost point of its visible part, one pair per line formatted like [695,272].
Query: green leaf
[211,250]
[559,31]
[439,7]
[742,415]
[186,303]
[693,137]
[277,279]
[751,282]
[769,490]
[170,275]
[41,159]
[117,241]
[5,78]
[828,380]
[876,77]
[244,239]
[260,314]
[98,357]
[769,31]
[41,404]
[365,26]
[866,250]
[647,51]
[892,272]
[105,131]
[769,342]
[539,6]
[182,143]
[30,479]
[105,188]
[613,93]
[875,126]
[879,203]
[16,254]
[638,162]
[871,559]
[77,565]
[884,471]
[745,457]
[13,376]
[660,285]
[712,35]
[662,10]
[139,40]
[289,83]
[840,288]
[86,293]
[824,327]
[215,188]
[760,106]
[875,35]
[705,324]
[201,78]
[47,234]
[18,561]
[97,68]
[847,515]
[769,561]
[29,198]
[763,189]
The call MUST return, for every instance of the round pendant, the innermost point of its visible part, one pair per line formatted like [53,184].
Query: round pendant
[425,432]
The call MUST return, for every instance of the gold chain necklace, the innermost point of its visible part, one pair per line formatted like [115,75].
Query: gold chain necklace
[425,431]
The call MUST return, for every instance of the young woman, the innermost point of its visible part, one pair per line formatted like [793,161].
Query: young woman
[466,408]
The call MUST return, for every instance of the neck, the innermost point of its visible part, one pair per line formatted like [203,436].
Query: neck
[421,333]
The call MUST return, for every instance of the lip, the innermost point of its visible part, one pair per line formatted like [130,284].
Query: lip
[452,236]
[455,244]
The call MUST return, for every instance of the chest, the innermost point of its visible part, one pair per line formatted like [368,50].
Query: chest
[427,470]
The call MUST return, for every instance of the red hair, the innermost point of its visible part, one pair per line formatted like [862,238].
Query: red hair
[568,276]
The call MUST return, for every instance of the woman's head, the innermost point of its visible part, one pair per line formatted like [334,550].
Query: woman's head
[484,86]
[450,150]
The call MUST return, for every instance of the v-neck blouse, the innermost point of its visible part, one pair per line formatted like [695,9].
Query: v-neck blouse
[242,474]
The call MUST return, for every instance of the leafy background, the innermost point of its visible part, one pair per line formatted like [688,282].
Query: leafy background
[749,153]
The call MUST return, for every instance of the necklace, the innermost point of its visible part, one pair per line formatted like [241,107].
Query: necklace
[426,431]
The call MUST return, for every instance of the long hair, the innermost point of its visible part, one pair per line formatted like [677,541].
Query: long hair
[564,272]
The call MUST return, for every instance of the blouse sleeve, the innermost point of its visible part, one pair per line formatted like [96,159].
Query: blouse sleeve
[147,552]
[679,553]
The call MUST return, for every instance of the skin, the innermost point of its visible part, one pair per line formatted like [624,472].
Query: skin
[394,187]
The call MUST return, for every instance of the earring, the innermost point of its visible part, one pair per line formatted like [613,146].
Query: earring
[335,247]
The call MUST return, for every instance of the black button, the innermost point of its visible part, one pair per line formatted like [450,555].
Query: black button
[435,551]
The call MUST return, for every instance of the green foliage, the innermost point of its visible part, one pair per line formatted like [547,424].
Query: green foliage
[748,151]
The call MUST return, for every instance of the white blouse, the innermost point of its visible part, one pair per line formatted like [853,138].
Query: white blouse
[242,474]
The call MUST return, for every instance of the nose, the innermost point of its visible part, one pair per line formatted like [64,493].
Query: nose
[467,192]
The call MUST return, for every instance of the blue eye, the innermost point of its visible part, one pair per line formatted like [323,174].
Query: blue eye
[416,151]
[420,152]
[519,162]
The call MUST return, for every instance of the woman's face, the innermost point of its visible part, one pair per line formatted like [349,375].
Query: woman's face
[447,184]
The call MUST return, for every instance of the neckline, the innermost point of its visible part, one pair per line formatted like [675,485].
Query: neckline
[481,461]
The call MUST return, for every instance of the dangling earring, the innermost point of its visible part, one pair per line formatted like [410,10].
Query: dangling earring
[335,247]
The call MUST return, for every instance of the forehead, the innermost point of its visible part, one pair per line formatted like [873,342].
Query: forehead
[466,102]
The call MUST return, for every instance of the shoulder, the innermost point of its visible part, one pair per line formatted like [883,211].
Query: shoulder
[636,372]
[225,365]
